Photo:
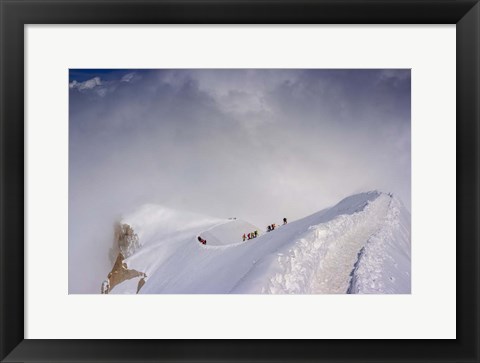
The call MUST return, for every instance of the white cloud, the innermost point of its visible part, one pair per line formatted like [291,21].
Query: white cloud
[86,85]
[98,87]
[130,77]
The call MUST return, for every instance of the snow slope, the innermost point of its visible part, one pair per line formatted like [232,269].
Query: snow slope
[383,264]
[361,245]
[228,233]
[127,287]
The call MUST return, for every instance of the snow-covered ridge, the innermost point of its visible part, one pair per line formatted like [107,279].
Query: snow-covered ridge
[361,245]
[322,259]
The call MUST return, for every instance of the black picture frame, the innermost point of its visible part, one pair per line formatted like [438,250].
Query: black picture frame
[15,14]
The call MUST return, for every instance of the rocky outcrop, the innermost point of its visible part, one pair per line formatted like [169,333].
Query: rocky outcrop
[120,272]
[128,242]
[126,239]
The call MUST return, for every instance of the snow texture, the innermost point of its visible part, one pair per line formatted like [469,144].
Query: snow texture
[361,245]
[127,287]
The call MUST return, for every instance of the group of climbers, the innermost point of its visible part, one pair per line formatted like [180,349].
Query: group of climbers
[250,235]
[272,226]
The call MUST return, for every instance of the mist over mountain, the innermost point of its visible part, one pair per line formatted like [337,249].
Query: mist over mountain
[253,144]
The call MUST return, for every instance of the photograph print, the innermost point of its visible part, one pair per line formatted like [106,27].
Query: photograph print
[239,181]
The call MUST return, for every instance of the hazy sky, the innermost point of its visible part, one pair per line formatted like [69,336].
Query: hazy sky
[254,144]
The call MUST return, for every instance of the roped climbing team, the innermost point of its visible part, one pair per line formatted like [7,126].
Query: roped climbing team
[250,235]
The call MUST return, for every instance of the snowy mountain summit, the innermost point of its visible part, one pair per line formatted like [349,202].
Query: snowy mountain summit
[361,245]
